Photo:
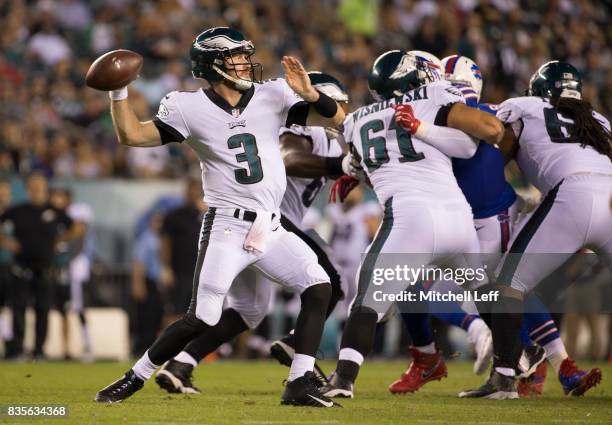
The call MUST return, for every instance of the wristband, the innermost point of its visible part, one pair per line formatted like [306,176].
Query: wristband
[325,106]
[119,94]
[333,165]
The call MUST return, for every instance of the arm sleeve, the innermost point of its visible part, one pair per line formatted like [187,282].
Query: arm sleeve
[445,93]
[509,112]
[451,142]
[170,121]
[294,109]
[347,129]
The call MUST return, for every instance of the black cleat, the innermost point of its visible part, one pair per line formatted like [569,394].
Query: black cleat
[120,389]
[497,387]
[338,387]
[176,377]
[531,358]
[306,391]
[283,350]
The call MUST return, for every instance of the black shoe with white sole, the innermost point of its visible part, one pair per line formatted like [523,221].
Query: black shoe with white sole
[497,387]
[283,350]
[530,359]
[176,377]
[338,387]
[120,389]
[306,391]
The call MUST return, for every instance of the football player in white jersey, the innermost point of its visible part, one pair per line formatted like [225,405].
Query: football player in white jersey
[426,216]
[233,127]
[311,155]
[564,148]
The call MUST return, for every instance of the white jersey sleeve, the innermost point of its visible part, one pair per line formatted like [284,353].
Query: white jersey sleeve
[170,121]
[444,93]
[289,97]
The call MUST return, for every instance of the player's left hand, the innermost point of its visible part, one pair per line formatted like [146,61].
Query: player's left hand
[404,116]
[342,187]
[297,78]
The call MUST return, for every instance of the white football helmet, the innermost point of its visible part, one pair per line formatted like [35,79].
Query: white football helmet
[434,65]
[463,72]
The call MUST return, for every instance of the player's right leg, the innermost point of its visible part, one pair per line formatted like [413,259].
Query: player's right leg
[221,258]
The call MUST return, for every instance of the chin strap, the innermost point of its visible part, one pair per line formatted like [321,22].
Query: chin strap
[241,84]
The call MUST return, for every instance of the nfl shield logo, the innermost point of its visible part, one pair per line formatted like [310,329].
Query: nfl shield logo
[235,112]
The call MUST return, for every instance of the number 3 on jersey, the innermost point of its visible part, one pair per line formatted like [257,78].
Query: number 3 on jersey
[378,144]
[247,141]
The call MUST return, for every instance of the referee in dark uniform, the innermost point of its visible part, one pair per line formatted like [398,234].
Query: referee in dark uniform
[36,227]
[179,249]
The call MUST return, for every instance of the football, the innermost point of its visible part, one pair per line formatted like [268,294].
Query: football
[114,70]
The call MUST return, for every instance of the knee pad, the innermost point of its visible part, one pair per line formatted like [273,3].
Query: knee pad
[209,305]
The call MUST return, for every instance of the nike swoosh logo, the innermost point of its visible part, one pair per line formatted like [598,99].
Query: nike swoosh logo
[274,230]
[324,403]
[427,374]
[478,228]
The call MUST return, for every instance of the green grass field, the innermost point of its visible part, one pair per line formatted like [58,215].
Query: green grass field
[249,393]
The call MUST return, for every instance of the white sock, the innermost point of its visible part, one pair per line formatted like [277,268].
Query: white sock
[555,352]
[144,367]
[185,357]
[300,365]
[351,355]
[86,339]
[506,371]
[429,348]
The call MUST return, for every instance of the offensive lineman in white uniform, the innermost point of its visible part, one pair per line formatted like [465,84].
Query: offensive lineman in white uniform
[564,148]
[233,127]
[426,214]
[311,155]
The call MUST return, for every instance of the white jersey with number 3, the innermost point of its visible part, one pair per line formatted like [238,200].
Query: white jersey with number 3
[395,161]
[546,152]
[238,146]
[302,191]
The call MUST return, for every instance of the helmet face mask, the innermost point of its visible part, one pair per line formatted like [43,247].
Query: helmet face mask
[430,67]
[556,79]
[214,49]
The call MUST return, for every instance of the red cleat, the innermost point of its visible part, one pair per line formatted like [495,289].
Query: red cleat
[534,385]
[424,368]
[575,381]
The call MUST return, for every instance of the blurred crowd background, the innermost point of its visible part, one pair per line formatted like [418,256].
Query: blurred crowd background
[52,125]
[50,121]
